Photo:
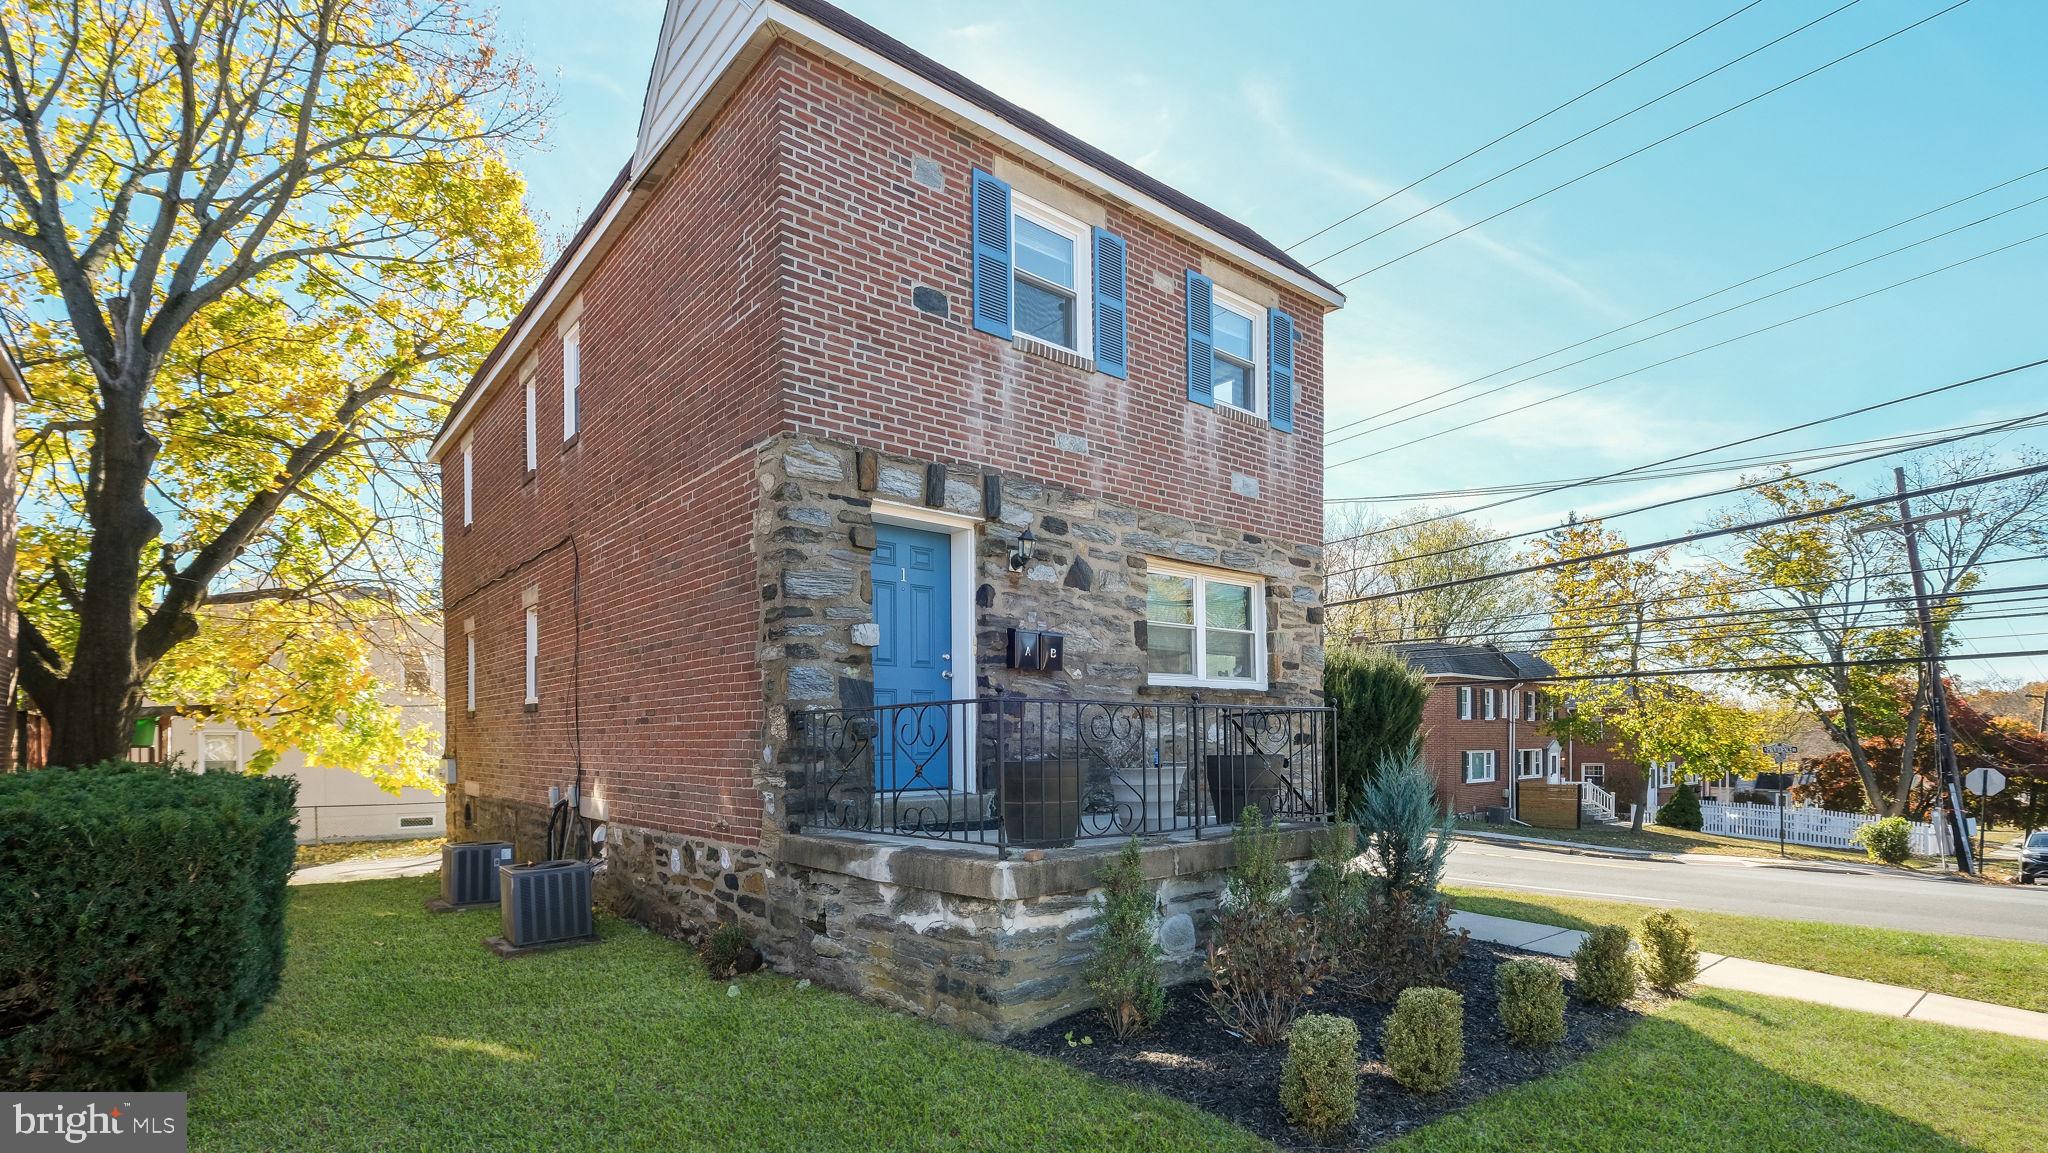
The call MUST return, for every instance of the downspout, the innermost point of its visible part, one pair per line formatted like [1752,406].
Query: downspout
[1514,767]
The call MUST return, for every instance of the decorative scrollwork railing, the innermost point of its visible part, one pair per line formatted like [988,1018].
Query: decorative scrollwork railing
[1022,772]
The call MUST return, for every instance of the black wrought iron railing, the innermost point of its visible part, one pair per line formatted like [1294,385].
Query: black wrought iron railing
[1028,773]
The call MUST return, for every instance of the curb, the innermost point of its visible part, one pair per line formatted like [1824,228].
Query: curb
[1567,847]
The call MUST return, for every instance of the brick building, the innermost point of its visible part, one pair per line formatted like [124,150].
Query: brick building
[857,509]
[1486,725]
[13,393]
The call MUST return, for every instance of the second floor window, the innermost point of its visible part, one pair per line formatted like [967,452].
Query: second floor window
[1050,263]
[1235,353]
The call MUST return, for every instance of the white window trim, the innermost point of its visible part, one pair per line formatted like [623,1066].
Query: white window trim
[1464,702]
[1601,766]
[1667,774]
[532,600]
[531,382]
[572,379]
[1486,757]
[1201,577]
[1225,299]
[1084,270]
[235,734]
[469,664]
[1492,713]
[1528,763]
[468,480]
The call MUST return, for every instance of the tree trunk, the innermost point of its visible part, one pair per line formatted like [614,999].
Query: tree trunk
[92,708]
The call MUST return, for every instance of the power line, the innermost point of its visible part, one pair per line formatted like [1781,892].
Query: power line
[1709,534]
[1898,442]
[1602,126]
[1499,388]
[1788,667]
[1688,304]
[1531,124]
[1800,427]
[1652,144]
[1410,443]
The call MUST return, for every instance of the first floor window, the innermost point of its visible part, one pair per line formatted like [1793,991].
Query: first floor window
[1204,628]
[1479,766]
[1529,763]
[221,752]
[1665,773]
[1594,773]
[532,654]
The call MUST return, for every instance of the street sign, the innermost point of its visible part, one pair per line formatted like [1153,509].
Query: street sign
[1985,782]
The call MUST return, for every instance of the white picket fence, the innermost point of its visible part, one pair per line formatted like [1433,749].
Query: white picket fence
[1821,828]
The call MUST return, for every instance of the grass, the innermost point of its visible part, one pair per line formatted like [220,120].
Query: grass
[396,1029]
[1735,1073]
[334,851]
[1982,969]
[1658,839]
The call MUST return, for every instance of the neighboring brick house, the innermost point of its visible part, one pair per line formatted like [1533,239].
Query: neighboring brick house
[13,393]
[1486,724]
[861,390]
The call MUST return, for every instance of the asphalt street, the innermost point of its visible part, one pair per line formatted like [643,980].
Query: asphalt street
[1763,888]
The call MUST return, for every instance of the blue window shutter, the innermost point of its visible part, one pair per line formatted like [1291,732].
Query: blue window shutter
[1201,344]
[991,289]
[1280,369]
[1111,341]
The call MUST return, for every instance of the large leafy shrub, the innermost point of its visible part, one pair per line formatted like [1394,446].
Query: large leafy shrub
[1124,973]
[1424,1039]
[1264,960]
[1531,1002]
[1671,959]
[1889,840]
[1319,1080]
[1602,970]
[1682,811]
[143,914]
[1379,702]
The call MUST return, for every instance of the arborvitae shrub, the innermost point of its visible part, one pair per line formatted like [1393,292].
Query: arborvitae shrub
[1682,811]
[1671,959]
[1319,1080]
[1602,970]
[1124,973]
[1531,1002]
[1424,1039]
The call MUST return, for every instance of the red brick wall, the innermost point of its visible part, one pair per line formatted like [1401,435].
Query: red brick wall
[867,366]
[766,287]
[1446,739]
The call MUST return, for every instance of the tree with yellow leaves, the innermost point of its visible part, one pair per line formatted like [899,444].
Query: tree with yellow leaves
[256,246]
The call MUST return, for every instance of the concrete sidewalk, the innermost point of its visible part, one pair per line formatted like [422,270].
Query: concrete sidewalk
[370,869]
[1719,972]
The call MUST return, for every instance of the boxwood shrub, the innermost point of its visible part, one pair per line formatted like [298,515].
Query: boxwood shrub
[144,908]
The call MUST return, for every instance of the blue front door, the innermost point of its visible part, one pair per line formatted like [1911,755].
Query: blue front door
[913,582]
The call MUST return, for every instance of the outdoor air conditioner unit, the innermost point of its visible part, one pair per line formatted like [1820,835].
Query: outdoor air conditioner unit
[545,903]
[469,872]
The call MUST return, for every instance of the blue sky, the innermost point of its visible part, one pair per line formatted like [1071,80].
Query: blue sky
[1300,114]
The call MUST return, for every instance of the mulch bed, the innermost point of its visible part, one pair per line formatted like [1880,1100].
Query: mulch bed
[1189,1055]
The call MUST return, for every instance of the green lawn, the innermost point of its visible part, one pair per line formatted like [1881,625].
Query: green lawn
[1745,1074]
[396,1030]
[1980,968]
[1658,839]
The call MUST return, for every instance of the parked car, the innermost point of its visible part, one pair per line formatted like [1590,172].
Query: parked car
[2034,857]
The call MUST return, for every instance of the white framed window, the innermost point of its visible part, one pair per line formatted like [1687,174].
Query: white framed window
[1666,773]
[468,479]
[1237,330]
[1593,771]
[1052,291]
[1204,627]
[532,420]
[1490,714]
[1479,766]
[572,378]
[1464,702]
[1529,705]
[532,653]
[220,751]
[469,665]
[1528,762]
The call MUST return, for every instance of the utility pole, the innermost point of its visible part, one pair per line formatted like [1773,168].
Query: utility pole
[1930,652]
